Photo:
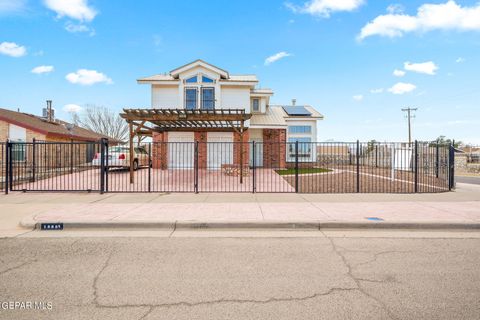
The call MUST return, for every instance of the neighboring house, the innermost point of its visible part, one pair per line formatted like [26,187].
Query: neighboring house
[25,127]
[202,86]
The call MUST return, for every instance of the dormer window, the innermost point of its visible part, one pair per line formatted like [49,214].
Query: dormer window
[256,105]
[206,80]
[192,80]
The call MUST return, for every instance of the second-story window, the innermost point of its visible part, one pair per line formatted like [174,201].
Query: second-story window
[256,105]
[208,98]
[192,80]
[190,98]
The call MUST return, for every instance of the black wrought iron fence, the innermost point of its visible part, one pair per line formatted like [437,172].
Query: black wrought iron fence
[313,167]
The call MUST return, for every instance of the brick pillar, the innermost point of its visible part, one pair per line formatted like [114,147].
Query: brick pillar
[160,150]
[274,148]
[201,137]
[236,148]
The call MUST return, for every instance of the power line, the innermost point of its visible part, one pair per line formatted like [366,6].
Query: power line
[410,115]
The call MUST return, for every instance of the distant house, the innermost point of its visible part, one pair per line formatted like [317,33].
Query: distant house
[199,90]
[24,127]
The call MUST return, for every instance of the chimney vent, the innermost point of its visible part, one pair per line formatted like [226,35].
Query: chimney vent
[49,113]
[294,102]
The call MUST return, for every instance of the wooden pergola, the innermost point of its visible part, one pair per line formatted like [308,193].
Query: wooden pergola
[143,122]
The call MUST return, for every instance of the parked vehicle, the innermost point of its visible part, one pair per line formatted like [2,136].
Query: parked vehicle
[119,157]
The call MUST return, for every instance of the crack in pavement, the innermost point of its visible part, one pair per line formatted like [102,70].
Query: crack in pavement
[18,266]
[174,229]
[240,301]
[149,310]
[95,279]
[357,280]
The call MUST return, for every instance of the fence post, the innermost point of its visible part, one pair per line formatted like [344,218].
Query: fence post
[358,165]
[7,161]
[149,167]
[106,165]
[34,156]
[296,166]
[102,166]
[10,166]
[195,180]
[437,159]
[416,166]
[253,166]
[71,156]
[451,167]
[376,156]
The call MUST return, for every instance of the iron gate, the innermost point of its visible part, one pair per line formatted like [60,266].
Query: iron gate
[305,167]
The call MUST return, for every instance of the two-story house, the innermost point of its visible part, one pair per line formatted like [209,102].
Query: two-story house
[204,87]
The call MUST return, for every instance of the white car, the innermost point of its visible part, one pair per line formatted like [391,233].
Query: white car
[119,157]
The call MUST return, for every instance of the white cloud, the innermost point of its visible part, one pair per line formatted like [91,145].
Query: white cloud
[74,28]
[12,49]
[395,8]
[398,73]
[324,8]
[460,60]
[12,6]
[428,67]
[276,57]
[444,16]
[402,87]
[358,97]
[73,108]
[42,69]
[74,9]
[87,77]
[375,91]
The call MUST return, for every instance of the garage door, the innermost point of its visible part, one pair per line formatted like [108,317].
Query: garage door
[220,149]
[181,150]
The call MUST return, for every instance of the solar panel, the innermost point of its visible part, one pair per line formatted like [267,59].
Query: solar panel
[296,111]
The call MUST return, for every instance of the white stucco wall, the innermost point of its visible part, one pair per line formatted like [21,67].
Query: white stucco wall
[165,96]
[235,97]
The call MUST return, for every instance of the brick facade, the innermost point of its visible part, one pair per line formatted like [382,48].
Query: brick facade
[202,149]
[237,148]
[160,150]
[274,148]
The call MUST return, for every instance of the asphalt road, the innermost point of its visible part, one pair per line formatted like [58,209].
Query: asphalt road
[313,277]
[470,180]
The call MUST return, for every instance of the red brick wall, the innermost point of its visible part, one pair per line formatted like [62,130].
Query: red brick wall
[237,148]
[201,137]
[274,148]
[160,150]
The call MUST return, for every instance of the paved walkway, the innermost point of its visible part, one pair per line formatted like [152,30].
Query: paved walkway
[462,206]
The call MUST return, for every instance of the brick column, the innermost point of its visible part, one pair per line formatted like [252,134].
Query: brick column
[236,148]
[201,137]
[160,150]
[274,148]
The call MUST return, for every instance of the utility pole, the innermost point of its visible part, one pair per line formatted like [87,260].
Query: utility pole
[410,115]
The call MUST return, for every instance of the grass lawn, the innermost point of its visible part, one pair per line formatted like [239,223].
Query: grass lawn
[284,172]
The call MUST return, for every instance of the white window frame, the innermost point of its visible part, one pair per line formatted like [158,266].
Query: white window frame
[259,105]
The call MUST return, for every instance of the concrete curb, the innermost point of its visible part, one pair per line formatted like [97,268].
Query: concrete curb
[258,225]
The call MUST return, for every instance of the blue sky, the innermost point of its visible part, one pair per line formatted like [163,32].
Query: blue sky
[338,56]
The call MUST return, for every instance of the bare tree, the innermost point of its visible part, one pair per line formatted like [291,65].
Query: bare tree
[105,121]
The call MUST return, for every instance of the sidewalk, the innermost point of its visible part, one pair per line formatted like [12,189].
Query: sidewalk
[454,209]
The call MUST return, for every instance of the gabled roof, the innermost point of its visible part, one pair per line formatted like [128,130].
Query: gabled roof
[199,62]
[57,128]
[172,77]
